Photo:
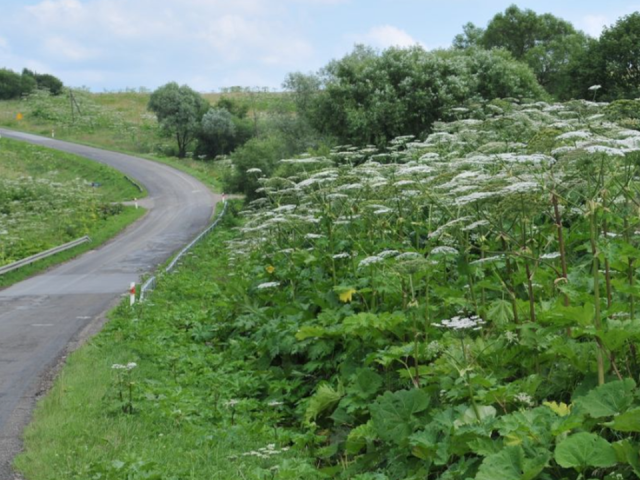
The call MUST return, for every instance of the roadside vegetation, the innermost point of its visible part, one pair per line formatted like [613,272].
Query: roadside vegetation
[433,276]
[460,306]
[48,198]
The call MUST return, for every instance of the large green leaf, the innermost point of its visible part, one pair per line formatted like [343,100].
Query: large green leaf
[511,464]
[627,452]
[609,399]
[325,398]
[393,413]
[366,383]
[627,422]
[431,444]
[584,450]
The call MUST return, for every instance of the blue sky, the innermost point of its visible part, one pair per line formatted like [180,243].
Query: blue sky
[209,44]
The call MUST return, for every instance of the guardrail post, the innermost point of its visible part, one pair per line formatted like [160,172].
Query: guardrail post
[132,294]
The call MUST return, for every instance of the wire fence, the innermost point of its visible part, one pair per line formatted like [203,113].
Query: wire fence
[150,284]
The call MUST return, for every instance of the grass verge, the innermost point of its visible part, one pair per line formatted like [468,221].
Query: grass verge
[107,230]
[181,413]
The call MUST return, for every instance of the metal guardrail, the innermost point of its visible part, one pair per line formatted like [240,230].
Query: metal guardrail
[134,183]
[41,255]
[150,284]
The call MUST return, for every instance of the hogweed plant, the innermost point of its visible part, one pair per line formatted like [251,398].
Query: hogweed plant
[124,385]
[523,216]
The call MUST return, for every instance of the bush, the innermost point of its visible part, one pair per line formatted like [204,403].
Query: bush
[370,98]
[261,154]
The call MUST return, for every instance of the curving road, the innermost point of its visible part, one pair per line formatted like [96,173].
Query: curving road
[41,315]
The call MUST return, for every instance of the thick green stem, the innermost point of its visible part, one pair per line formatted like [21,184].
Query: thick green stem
[532,300]
[509,282]
[597,320]
[561,245]
[467,377]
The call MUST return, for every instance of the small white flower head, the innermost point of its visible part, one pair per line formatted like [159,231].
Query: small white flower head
[338,256]
[511,337]
[370,261]
[275,404]
[524,398]
[575,135]
[474,225]
[409,256]
[444,250]
[117,366]
[613,152]
[254,170]
[388,253]
[131,365]
[231,403]
[549,256]
[313,236]
[480,261]
[473,322]
[593,88]
[267,285]
[401,183]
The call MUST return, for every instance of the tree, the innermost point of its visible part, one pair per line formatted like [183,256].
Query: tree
[369,97]
[546,43]
[617,55]
[471,36]
[179,110]
[218,131]
[10,84]
[49,82]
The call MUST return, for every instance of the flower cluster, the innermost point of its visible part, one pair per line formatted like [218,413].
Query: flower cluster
[473,322]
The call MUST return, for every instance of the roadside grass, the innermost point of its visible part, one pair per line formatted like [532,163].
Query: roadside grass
[192,417]
[47,199]
[19,159]
[105,232]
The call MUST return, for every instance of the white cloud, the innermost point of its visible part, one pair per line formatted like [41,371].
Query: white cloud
[593,24]
[69,50]
[385,36]
[234,36]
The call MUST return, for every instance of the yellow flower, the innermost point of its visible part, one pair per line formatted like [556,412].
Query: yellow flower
[347,295]
[270,268]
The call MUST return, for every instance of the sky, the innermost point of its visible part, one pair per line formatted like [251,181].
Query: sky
[110,45]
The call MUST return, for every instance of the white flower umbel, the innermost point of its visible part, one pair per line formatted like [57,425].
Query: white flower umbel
[444,250]
[313,236]
[370,261]
[550,256]
[615,152]
[267,285]
[338,256]
[254,170]
[577,135]
[473,322]
[524,398]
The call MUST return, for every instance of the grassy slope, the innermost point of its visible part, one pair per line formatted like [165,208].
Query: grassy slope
[115,121]
[18,159]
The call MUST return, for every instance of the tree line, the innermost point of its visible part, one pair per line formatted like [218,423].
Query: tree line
[15,85]
[369,97]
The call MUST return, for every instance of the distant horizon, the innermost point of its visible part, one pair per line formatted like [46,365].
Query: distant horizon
[118,45]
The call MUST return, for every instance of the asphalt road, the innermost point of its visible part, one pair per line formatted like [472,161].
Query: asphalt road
[40,316]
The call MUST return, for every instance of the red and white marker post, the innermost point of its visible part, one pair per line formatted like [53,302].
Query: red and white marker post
[132,294]
[224,198]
